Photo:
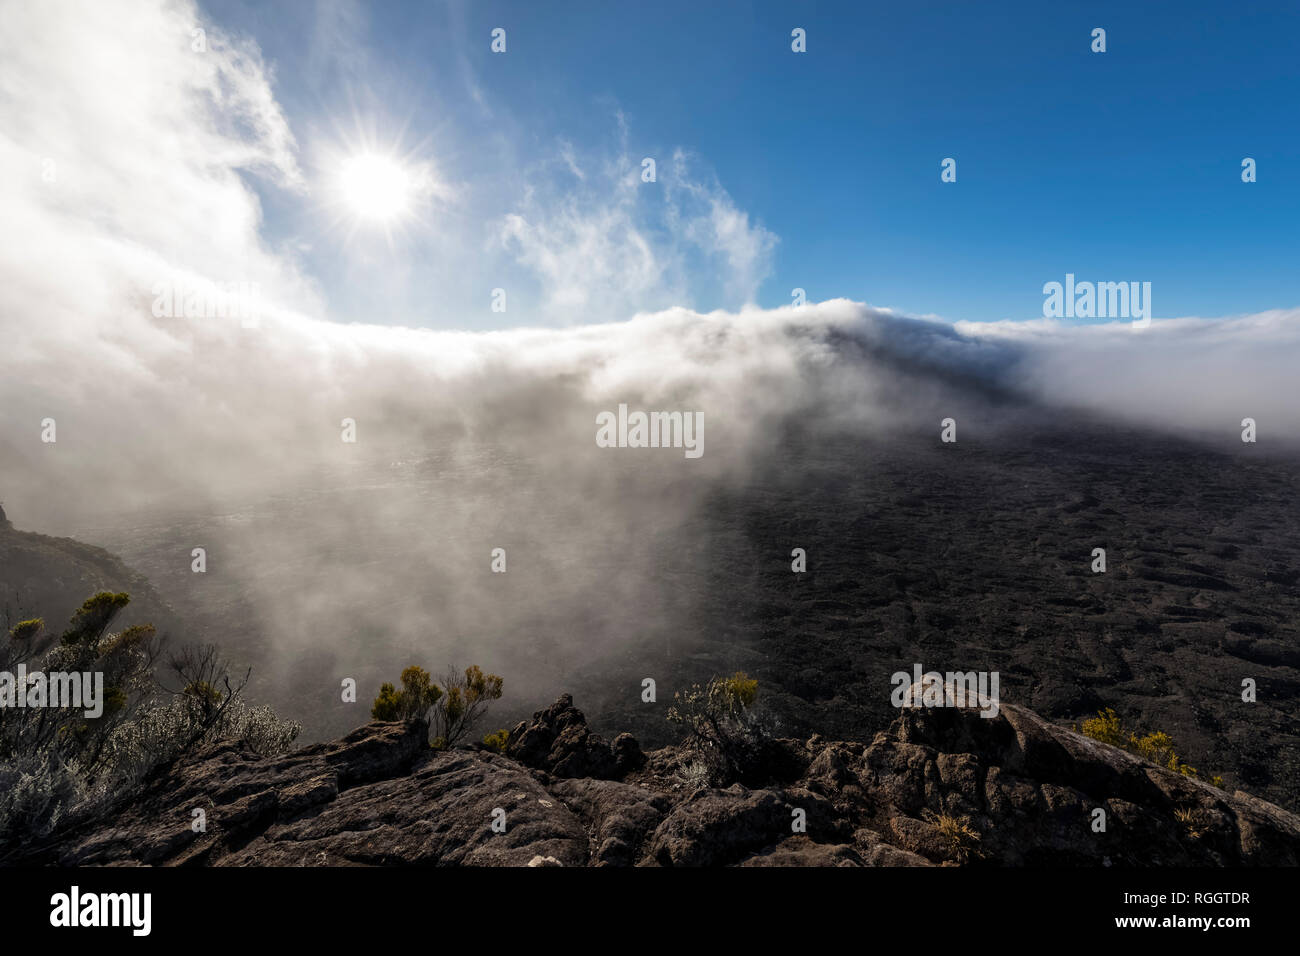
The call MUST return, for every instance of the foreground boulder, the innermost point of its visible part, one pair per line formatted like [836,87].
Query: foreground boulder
[940,787]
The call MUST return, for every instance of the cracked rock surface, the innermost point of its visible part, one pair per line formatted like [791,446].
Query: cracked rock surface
[942,786]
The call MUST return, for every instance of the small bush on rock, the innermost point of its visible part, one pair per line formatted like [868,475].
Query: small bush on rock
[27,630]
[722,726]
[452,710]
[960,838]
[417,696]
[1158,747]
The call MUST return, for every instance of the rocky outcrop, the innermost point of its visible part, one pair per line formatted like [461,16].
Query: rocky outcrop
[557,740]
[942,786]
[1037,793]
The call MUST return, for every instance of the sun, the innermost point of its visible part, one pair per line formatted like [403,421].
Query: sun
[376,187]
[371,187]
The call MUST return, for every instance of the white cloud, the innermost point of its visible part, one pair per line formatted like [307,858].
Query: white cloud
[723,232]
[610,245]
[122,155]
[1191,374]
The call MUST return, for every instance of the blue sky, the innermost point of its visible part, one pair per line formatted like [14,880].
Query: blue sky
[1124,165]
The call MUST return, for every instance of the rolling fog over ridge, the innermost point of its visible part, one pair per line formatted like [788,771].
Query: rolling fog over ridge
[821,430]
[191,407]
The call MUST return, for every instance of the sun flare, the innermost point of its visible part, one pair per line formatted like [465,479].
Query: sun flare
[375,187]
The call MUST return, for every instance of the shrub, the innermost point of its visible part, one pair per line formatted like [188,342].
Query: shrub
[497,741]
[721,725]
[960,838]
[452,709]
[388,705]
[57,766]
[1157,747]
[463,704]
[1193,821]
[131,637]
[741,688]
[413,701]
[37,791]
[27,630]
[203,694]
[93,617]
[1106,728]
[126,661]
[162,734]
[695,775]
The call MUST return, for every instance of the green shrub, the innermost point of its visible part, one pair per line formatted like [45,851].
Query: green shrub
[58,766]
[93,617]
[464,703]
[1158,747]
[721,725]
[742,689]
[131,637]
[418,694]
[27,630]
[451,709]
[388,705]
[497,741]
[1106,728]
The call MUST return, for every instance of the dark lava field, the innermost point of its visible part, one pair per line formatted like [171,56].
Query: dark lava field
[972,556]
[977,556]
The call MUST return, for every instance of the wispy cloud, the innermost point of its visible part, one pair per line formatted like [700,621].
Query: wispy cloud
[603,242]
